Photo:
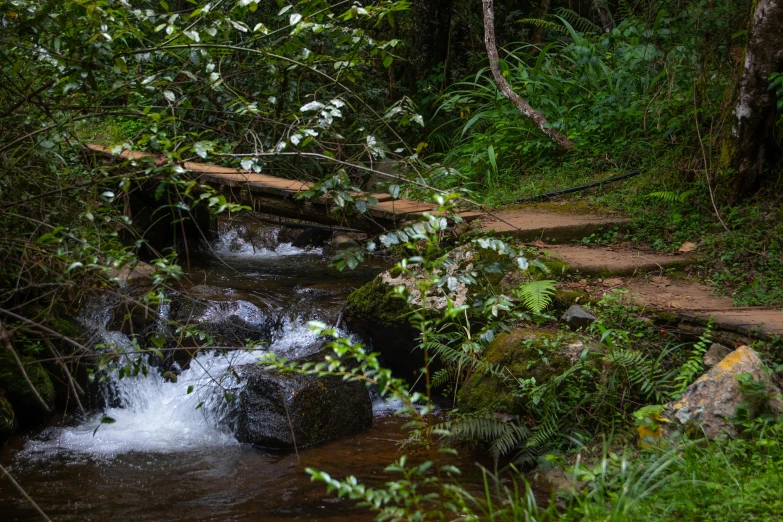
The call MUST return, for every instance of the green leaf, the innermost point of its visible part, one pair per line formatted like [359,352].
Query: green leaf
[104,420]
[537,295]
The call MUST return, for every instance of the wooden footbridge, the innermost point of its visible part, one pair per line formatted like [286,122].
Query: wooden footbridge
[278,196]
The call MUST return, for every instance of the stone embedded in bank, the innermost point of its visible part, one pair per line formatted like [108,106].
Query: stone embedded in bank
[716,353]
[710,403]
[577,317]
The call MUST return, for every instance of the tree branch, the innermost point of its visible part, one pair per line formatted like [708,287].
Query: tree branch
[523,106]
[5,338]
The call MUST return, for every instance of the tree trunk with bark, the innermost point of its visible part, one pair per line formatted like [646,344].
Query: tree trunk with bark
[538,31]
[521,104]
[756,108]
[431,27]
[603,15]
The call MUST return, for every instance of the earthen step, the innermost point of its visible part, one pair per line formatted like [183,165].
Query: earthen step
[763,323]
[609,261]
[532,224]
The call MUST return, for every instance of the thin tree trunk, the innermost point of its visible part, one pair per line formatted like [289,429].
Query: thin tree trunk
[494,63]
[603,15]
[756,108]
[538,31]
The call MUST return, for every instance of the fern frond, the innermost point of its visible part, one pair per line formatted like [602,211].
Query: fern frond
[513,437]
[546,24]
[672,197]
[502,436]
[649,378]
[442,377]
[537,295]
[624,10]
[695,363]
[577,21]
[456,357]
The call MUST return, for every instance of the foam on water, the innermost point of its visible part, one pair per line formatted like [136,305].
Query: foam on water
[158,415]
[231,243]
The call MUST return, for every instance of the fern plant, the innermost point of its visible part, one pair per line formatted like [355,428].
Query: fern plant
[577,21]
[694,365]
[503,437]
[672,197]
[545,24]
[536,295]
[645,376]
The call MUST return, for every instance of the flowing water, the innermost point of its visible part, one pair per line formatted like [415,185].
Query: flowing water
[166,458]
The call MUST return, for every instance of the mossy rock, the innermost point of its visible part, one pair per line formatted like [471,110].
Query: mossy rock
[376,301]
[557,267]
[26,405]
[523,354]
[565,298]
[380,319]
[289,410]
[7,420]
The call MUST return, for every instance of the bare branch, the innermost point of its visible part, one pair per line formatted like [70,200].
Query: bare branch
[521,104]
[5,338]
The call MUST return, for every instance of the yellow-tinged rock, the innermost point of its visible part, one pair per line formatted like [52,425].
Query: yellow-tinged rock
[711,401]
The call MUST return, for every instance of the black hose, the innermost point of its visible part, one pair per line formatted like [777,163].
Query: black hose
[581,187]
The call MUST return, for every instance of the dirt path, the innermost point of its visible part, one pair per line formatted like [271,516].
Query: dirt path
[692,302]
[645,274]
[548,222]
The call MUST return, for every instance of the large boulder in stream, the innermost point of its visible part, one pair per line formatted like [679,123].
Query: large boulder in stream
[380,319]
[287,410]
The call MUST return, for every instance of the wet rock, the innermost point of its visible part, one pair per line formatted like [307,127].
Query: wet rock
[229,321]
[379,318]
[342,242]
[716,353]
[577,317]
[711,402]
[563,485]
[320,409]
[312,237]
[140,272]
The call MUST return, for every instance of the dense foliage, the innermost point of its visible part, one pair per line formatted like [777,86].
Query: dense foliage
[327,92]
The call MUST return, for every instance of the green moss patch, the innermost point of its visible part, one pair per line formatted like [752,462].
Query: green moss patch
[523,354]
[18,392]
[377,302]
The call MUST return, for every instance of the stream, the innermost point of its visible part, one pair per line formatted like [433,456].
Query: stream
[166,458]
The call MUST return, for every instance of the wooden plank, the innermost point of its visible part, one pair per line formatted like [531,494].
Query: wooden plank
[381,197]
[252,184]
[400,207]
[469,216]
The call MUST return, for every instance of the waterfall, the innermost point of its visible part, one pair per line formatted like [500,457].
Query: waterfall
[152,413]
[156,414]
[258,242]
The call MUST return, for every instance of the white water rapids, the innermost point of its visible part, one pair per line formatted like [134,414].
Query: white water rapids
[158,415]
